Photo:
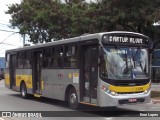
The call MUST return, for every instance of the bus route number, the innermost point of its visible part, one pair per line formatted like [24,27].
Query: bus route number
[136,89]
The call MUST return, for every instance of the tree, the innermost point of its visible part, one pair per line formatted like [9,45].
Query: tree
[44,20]
[131,15]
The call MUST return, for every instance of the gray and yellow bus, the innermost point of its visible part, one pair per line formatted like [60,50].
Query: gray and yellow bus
[101,69]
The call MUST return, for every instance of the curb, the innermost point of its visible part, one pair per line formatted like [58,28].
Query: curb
[154,101]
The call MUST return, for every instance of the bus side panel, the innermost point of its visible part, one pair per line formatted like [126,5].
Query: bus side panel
[55,82]
[7,78]
[26,76]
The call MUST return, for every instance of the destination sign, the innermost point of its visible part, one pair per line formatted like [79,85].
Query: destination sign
[124,39]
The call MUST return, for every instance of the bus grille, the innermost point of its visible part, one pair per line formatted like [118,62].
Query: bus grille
[130,92]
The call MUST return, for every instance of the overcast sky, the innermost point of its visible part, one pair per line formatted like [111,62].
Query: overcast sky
[8,40]
[13,40]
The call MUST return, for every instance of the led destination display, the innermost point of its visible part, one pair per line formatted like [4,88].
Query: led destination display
[124,39]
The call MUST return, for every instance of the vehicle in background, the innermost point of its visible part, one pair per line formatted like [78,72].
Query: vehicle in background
[2,67]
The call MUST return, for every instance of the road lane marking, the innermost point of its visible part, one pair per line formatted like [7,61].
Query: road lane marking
[1,119]
[7,118]
[110,118]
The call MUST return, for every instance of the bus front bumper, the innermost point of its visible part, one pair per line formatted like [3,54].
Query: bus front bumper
[108,100]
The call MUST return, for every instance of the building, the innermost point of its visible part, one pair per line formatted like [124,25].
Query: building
[2,67]
[155,67]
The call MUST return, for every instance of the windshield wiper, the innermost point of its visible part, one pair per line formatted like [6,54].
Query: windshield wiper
[133,56]
[138,59]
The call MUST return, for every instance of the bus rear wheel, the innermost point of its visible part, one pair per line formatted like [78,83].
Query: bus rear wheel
[72,99]
[23,90]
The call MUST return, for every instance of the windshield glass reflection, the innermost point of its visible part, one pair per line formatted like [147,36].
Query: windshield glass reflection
[125,63]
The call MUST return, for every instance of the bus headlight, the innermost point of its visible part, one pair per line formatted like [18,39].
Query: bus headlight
[105,89]
[113,93]
[146,91]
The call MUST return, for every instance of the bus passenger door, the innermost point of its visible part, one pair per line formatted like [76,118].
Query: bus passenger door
[89,72]
[12,71]
[37,56]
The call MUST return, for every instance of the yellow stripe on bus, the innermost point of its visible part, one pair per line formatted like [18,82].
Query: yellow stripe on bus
[42,85]
[7,79]
[37,95]
[88,103]
[129,88]
[26,78]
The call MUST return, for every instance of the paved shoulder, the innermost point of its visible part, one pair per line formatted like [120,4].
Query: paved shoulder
[2,83]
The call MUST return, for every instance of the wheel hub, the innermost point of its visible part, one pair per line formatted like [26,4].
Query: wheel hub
[23,91]
[73,98]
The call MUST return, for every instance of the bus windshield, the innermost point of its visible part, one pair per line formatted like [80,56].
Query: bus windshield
[126,63]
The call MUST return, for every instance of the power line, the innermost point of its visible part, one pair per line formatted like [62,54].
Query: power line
[13,32]
[8,37]
[8,31]
[5,24]
[8,44]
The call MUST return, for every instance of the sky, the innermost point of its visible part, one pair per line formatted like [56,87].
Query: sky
[8,40]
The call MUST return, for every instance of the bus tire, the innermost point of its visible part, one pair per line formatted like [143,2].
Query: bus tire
[24,90]
[72,98]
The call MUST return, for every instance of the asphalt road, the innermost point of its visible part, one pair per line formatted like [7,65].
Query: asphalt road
[11,101]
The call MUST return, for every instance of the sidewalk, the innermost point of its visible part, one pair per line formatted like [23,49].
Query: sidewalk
[155,91]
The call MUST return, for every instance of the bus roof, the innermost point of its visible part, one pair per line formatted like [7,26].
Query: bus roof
[84,37]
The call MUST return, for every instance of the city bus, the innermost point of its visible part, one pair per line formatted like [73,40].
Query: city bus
[102,69]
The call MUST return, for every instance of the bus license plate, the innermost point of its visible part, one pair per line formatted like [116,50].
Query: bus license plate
[132,100]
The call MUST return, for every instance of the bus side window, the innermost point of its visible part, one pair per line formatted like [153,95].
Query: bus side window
[7,60]
[70,56]
[27,60]
[54,62]
[46,57]
[60,55]
[56,57]
[103,70]
[67,54]
[20,60]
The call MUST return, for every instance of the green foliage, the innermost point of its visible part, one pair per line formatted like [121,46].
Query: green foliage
[44,20]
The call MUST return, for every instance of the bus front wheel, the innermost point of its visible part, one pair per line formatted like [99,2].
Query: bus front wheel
[23,90]
[72,99]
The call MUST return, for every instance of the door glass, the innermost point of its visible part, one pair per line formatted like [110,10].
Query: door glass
[13,70]
[90,72]
[37,71]
[94,72]
[87,71]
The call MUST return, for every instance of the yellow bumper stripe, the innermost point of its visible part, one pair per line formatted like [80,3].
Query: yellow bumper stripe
[129,88]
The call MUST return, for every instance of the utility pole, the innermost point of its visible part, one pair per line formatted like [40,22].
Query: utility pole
[23,39]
